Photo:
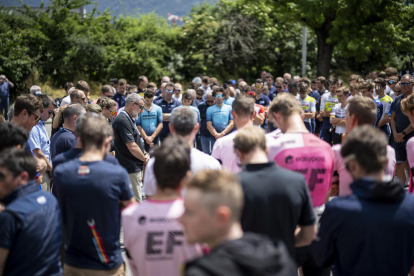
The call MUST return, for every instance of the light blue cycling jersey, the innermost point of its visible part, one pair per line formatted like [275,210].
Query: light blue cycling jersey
[149,120]
[229,101]
[219,116]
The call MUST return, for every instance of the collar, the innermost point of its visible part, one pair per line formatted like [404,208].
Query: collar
[29,188]
[41,123]
[258,167]
[62,129]
[126,113]
[172,101]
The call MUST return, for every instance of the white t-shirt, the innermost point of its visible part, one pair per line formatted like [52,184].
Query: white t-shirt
[199,161]
[65,101]
[177,98]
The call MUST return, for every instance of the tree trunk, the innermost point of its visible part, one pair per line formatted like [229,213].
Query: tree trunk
[325,50]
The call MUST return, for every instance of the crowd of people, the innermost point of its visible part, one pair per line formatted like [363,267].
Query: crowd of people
[286,176]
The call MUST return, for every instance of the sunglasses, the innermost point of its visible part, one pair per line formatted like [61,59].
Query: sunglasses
[405,84]
[169,91]
[109,96]
[112,112]
[251,93]
[37,117]
[140,106]
[219,96]
[83,99]
[279,87]
[210,101]
[177,90]
[259,87]
[391,82]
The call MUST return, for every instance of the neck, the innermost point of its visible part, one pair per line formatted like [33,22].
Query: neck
[219,105]
[68,126]
[333,94]
[129,111]
[148,105]
[78,145]
[123,93]
[322,89]
[168,100]
[380,94]
[258,156]
[302,96]
[258,95]
[295,124]
[344,104]
[242,122]
[166,194]
[93,155]
[379,176]
[408,93]
[17,121]
[235,232]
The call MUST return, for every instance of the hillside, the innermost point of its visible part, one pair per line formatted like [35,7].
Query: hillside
[129,7]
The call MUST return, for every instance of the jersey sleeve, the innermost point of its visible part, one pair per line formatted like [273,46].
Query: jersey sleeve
[125,133]
[138,121]
[159,116]
[150,182]
[8,230]
[391,108]
[34,139]
[209,114]
[312,106]
[333,111]
[322,106]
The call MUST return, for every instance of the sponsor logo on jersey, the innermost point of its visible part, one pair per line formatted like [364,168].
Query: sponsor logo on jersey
[142,220]
[289,160]
[310,159]
[83,170]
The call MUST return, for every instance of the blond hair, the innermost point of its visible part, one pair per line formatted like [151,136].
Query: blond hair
[250,138]
[219,188]
[407,104]
[285,104]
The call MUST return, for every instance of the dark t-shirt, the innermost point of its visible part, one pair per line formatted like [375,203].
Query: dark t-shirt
[402,121]
[275,202]
[89,195]
[125,131]
[202,107]
[62,141]
[167,108]
[120,99]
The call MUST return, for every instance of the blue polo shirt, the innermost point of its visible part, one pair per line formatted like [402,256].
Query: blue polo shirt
[228,101]
[167,108]
[219,116]
[89,195]
[4,89]
[39,139]
[62,141]
[120,99]
[31,229]
[264,100]
[149,120]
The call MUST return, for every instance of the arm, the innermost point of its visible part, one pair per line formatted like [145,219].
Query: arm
[136,151]
[228,128]
[142,132]
[157,131]
[385,120]
[398,137]
[211,128]
[125,203]
[166,117]
[310,115]
[259,119]
[58,113]
[334,120]
[305,235]
[39,154]
[10,83]
[4,253]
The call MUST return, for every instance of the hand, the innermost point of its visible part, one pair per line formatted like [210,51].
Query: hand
[147,158]
[149,139]
[1,208]
[399,137]
[41,165]
[219,135]
[216,136]
[319,118]
[60,109]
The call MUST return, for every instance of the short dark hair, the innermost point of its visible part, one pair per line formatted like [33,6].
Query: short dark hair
[68,86]
[333,81]
[83,85]
[205,79]
[46,100]
[75,94]
[106,88]
[18,161]
[12,135]
[259,81]
[293,84]
[132,87]
[29,102]
[183,120]
[72,110]
[141,79]
[149,93]
[381,81]
[269,76]
[172,162]
[94,130]
[243,106]
[321,79]
[194,85]
[218,90]
[314,81]
[368,146]
[187,96]
[114,80]
[170,84]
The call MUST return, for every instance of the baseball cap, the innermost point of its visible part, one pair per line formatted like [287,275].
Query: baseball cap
[231,82]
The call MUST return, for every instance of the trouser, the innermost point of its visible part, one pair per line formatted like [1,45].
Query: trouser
[387,130]
[147,146]
[326,135]
[162,137]
[313,124]
[4,105]
[308,126]
[46,182]
[75,271]
[136,183]
[337,138]
[207,144]
[198,142]
[306,260]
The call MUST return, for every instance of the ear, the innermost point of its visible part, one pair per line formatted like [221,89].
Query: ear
[254,114]
[233,114]
[74,118]
[196,128]
[171,128]
[224,215]
[24,176]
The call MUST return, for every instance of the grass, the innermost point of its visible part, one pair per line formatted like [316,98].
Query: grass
[57,92]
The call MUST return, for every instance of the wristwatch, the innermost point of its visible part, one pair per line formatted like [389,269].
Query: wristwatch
[405,134]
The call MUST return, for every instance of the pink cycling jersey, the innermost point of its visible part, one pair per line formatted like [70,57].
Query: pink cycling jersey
[410,157]
[345,178]
[155,239]
[307,154]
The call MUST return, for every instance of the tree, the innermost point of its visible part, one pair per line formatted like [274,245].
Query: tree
[356,28]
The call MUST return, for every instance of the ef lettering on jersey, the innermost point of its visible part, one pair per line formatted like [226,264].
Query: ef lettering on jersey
[83,170]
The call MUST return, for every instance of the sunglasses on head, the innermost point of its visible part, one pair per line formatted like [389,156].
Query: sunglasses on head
[37,117]
[251,94]
[405,84]
[169,91]
[219,95]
